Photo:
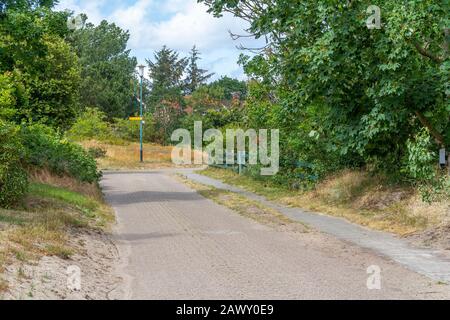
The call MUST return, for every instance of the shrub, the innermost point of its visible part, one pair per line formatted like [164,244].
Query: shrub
[421,162]
[130,130]
[97,152]
[13,178]
[7,98]
[420,165]
[90,124]
[45,148]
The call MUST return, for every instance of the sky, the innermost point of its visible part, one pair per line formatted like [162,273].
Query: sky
[179,24]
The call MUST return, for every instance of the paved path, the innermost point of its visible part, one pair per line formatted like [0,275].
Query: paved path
[431,263]
[176,244]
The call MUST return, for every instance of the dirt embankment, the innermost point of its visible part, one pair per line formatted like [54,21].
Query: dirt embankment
[57,243]
[54,278]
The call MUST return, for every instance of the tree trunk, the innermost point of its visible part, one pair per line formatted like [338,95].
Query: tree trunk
[436,135]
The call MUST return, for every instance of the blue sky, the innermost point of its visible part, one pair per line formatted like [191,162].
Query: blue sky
[179,24]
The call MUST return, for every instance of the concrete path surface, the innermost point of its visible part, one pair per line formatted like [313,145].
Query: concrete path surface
[175,244]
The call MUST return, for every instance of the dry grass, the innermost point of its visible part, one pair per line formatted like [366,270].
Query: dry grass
[355,196]
[3,285]
[248,208]
[42,224]
[44,176]
[126,156]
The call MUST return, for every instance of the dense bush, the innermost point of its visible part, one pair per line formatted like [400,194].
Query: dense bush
[130,130]
[420,162]
[420,166]
[13,178]
[46,149]
[90,124]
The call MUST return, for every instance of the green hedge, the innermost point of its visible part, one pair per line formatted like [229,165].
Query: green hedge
[45,148]
[13,178]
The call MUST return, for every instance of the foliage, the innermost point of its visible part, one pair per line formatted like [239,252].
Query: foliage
[375,81]
[45,148]
[54,90]
[229,87]
[13,178]
[90,124]
[166,74]
[420,166]
[7,97]
[97,152]
[44,66]
[343,94]
[195,76]
[130,130]
[25,4]
[420,163]
[107,68]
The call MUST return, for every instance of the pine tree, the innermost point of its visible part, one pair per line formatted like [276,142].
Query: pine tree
[165,101]
[166,74]
[195,75]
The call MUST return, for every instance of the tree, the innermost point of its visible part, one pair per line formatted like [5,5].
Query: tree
[53,91]
[195,75]
[42,67]
[231,87]
[379,87]
[25,4]
[166,95]
[107,68]
[166,74]
[220,95]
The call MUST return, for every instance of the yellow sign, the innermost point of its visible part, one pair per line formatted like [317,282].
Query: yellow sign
[135,118]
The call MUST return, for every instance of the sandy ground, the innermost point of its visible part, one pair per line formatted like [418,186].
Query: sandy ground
[437,238]
[48,279]
[176,244]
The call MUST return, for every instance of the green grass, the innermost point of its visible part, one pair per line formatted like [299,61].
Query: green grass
[262,186]
[59,251]
[76,199]
[41,224]
[9,217]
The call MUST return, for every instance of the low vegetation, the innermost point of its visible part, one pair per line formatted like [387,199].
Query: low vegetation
[43,223]
[354,195]
[13,178]
[126,155]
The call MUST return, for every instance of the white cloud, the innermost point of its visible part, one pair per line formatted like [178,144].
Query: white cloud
[179,24]
[91,8]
